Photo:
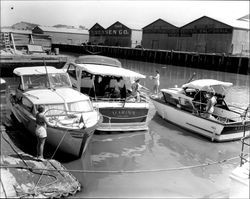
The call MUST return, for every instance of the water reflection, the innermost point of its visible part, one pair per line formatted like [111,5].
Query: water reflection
[175,75]
[163,146]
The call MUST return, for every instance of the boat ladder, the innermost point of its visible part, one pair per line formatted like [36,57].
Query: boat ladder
[6,40]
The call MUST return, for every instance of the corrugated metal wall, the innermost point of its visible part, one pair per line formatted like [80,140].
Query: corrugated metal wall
[160,35]
[97,34]
[240,42]
[204,35]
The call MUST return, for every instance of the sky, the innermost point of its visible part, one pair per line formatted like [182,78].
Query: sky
[132,13]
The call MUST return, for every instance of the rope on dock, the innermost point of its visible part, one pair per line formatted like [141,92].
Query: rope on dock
[122,171]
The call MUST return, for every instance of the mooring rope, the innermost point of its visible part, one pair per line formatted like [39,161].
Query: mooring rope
[26,166]
[131,171]
[51,159]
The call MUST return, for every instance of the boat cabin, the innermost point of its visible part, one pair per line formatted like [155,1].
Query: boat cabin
[102,81]
[51,88]
[192,97]
[41,78]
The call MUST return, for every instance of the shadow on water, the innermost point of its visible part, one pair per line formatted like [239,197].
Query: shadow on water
[27,142]
[178,130]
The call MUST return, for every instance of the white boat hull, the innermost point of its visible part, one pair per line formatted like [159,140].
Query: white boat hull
[210,128]
[118,116]
[73,142]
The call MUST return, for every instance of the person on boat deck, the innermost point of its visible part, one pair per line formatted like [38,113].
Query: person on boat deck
[96,88]
[200,101]
[210,105]
[41,132]
[104,84]
[156,82]
[119,88]
[135,90]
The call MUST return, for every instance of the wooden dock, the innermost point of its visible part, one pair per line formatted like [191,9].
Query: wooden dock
[10,62]
[209,61]
[22,176]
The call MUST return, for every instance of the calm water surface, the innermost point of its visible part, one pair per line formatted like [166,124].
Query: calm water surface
[163,146]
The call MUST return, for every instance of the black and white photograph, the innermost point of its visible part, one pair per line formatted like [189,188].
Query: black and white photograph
[124,99]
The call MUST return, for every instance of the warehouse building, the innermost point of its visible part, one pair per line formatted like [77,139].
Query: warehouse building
[203,35]
[97,35]
[160,35]
[207,35]
[115,35]
[64,35]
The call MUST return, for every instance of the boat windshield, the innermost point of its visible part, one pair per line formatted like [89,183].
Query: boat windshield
[41,81]
[73,107]
[81,106]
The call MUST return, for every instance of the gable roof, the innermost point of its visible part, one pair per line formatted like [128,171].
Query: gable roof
[228,22]
[97,25]
[118,23]
[160,20]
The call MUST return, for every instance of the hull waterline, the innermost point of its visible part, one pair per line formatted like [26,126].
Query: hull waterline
[212,129]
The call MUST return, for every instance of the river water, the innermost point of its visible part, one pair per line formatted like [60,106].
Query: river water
[164,146]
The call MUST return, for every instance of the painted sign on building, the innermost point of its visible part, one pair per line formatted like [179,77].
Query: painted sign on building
[97,30]
[118,29]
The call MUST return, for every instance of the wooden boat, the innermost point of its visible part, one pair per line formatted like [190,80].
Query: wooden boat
[185,107]
[71,118]
[89,75]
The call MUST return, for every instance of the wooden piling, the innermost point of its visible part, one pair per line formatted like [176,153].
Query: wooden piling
[209,61]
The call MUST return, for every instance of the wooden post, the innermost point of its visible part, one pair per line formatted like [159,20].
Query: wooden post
[239,63]
[13,42]
[166,58]
[31,38]
[186,57]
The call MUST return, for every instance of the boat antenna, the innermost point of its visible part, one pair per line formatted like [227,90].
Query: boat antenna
[46,70]
[190,79]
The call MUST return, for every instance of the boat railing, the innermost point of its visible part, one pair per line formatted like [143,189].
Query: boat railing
[123,118]
[143,99]
[244,157]
[65,118]
[198,108]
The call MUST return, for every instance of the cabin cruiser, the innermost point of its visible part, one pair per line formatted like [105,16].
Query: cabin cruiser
[185,107]
[96,76]
[70,116]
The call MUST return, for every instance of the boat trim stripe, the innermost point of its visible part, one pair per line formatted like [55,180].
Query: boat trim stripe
[199,128]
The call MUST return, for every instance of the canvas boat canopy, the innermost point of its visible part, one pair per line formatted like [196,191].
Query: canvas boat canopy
[206,84]
[97,59]
[110,71]
[37,70]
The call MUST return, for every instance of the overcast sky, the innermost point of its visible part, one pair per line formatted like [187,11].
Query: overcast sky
[134,14]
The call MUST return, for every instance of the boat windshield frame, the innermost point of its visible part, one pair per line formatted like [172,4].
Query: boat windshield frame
[60,108]
[45,81]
